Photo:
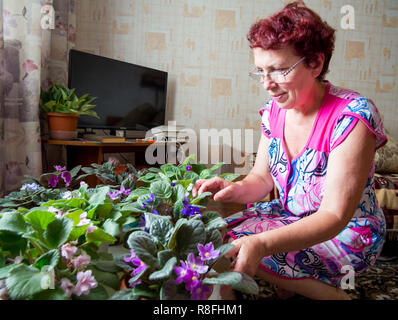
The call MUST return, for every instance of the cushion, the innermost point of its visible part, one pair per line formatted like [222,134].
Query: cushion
[386,157]
[386,187]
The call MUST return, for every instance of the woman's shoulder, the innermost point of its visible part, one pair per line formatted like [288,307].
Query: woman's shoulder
[355,107]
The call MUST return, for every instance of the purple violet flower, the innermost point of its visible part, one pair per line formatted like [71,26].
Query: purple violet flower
[173,184]
[53,181]
[67,177]
[135,283]
[124,191]
[207,251]
[192,280]
[155,212]
[182,272]
[113,195]
[196,264]
[200,292]
[140,265]
[188,168]
[130,259]
[59,168]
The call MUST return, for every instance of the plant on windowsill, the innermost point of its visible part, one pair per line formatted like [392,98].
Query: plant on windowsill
[63,108]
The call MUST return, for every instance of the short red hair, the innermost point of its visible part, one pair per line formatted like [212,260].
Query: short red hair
[297,26]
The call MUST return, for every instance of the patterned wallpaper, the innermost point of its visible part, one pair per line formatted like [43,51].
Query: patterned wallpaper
[203,46]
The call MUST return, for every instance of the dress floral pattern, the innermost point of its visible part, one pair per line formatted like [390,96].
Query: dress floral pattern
[301,185]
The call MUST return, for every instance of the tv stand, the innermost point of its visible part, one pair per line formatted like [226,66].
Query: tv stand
[84,153]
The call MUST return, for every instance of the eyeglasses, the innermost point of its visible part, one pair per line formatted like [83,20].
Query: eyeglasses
[276,76]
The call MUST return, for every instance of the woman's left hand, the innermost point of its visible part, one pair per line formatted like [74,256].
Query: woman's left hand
[248,252]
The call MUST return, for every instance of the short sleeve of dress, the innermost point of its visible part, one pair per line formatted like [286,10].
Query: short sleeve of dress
[360,109]
[265,112]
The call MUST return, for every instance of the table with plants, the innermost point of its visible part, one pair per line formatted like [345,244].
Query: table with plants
[138,235]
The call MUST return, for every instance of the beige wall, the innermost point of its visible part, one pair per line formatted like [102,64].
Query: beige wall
[203,46]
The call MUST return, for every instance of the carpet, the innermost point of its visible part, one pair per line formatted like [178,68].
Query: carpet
[379,282]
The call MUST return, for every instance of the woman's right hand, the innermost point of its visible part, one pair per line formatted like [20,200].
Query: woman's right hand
[222,190]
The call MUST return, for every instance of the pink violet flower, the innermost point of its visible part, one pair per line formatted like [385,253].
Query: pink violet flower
[196,264]
[207,251]
[67,286]
[85,282]
[83,220]
[81,261]
[68,251]
[91,228]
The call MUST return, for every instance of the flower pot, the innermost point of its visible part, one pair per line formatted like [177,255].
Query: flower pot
[62,126]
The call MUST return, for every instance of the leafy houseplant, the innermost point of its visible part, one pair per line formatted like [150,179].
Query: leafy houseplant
[63,109]
[175,248]
[55,235]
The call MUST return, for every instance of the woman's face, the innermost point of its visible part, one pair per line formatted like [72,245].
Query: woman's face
[298,88]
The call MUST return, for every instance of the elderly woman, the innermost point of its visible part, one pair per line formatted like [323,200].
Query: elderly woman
[317,147]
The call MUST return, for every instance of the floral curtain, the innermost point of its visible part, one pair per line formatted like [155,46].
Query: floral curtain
[32,55]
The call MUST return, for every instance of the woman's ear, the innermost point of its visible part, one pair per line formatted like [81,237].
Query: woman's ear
[318,66]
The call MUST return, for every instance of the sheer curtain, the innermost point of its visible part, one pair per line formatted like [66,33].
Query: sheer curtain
[26,64]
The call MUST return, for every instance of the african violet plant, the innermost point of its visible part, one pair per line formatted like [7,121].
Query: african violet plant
[177,244]
[46,253]
[53,230]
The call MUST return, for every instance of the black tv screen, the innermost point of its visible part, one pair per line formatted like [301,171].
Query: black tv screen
[129,96]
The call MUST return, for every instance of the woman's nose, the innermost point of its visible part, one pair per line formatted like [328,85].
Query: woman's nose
[267,83]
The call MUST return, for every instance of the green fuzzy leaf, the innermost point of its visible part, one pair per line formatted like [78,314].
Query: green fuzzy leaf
[75,171]
[142,290]
[50,294]
[161,189]
[229,176]
[50,258]
[144,247]
[137,192]
[74,216]
[14,222]
[238,281]
[99,196]
[189,235]
[77,232]
[215,237]
[216,166]
[24,281]
[159,227]
[106,278]
[40,219]
[225,248]
[165,272]
[126,294]
[178,193]
[99,235]
[58,232]
[164,256]
[169,291]
[13,242]
[200,197]
[111,228]
[5,270]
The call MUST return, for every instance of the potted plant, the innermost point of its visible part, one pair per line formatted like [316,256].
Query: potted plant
[176,247]
[63,108]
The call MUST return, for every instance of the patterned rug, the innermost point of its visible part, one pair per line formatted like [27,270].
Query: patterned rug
[379,282]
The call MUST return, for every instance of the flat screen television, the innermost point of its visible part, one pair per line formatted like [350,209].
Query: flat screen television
[129,96]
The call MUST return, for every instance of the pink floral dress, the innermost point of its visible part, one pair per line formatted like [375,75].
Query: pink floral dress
[301,181]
